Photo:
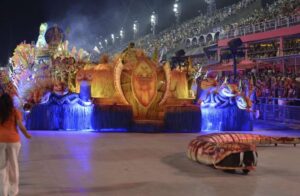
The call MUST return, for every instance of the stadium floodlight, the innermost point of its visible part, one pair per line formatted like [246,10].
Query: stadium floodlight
[122,34]
[153,21]
[106,42]
[177,10]
[113,38]
[100,44]
[211,6]
[96,49]
[135,29]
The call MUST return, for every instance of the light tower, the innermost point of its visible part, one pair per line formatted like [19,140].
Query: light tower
[135,29]
[113,38]
[211,6]
[177,10]
[122,34]
[153,21]
[100,44]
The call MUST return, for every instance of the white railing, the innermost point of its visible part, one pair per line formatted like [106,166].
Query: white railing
[190,23]
[262,27]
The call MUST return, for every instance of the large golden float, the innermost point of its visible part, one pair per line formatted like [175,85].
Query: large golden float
[135,80]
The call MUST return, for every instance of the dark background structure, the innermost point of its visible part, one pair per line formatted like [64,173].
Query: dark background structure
[86,21]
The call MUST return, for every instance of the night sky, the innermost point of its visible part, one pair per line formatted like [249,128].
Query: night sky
[88,20]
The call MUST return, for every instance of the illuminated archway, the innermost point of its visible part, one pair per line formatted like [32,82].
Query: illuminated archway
[188,42]
[194,41]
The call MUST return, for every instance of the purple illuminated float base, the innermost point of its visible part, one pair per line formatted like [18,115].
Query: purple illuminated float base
[70,112]
[229,118]
[60,112]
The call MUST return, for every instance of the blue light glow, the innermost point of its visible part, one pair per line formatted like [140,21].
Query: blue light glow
[77,117]
[85,91]
[55,117]
[114,130]
[66,112]
[230,118]
[71,113]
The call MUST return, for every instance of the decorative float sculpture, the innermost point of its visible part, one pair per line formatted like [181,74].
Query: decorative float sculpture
[131,91]
[224,107]
[231,151]
[44,76]
[6,85]
[138,91]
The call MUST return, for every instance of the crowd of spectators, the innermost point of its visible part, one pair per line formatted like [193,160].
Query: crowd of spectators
[268,49]
[273,84]
[175,36]
[267,84]
[292,46]
[258,20]
[264,50]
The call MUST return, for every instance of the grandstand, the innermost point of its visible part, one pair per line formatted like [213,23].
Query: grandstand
[204,37]
[174,38]
[270,49]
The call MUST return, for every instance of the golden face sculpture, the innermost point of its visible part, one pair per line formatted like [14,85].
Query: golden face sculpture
[144,79]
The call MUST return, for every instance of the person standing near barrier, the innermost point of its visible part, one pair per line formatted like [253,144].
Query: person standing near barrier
[10,145]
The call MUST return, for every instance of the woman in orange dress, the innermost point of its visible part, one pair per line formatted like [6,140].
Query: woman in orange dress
[10,119]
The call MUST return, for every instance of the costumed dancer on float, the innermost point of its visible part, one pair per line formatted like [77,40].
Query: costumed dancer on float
[10,119]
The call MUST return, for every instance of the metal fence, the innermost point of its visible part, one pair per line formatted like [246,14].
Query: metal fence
[262,27]
[279,109]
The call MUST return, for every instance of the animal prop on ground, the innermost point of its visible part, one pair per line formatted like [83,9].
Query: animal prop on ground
[232,151]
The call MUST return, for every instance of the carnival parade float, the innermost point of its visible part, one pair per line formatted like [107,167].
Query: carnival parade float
[224,107]
[61,89]
[58,88]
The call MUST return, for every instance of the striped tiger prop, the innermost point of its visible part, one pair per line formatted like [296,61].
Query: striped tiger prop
[232,151]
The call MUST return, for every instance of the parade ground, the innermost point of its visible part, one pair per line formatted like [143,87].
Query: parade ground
[63,163]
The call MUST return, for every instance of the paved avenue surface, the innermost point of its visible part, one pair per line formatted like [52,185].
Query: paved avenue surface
[128,164]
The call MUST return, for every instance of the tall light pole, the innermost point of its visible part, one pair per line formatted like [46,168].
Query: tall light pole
[113,38]
[153,21]
[135,29]
[122,34]
[100,44]
[106,42]
[211,6]
[177,11]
